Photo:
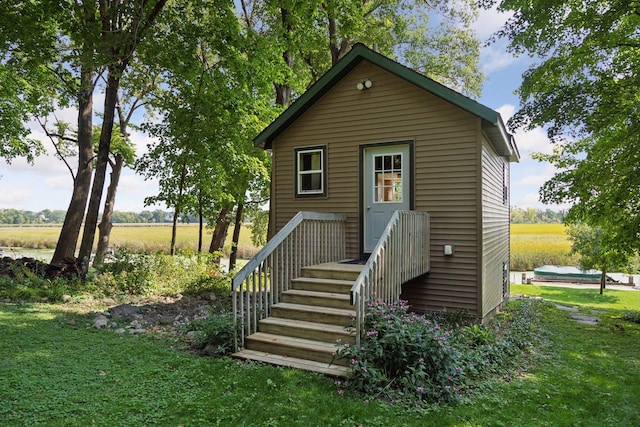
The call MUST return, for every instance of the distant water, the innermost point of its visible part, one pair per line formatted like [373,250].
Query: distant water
[44,255]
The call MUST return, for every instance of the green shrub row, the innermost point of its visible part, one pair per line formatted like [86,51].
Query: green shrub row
[420,359]
[127,274]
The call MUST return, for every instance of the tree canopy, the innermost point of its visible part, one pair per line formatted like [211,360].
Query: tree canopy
[584,92]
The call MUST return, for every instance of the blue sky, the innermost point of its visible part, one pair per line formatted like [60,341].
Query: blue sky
[47,184]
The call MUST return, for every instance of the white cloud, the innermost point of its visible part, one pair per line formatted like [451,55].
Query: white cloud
[141,142]
[536,175]
[528,141]
[489,21]
[59,182]
[15,195]
[532,200]
[495,57]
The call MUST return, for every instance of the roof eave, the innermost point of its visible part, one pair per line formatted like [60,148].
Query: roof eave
[492,121]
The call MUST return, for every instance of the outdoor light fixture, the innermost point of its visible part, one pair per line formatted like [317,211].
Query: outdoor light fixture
[448,250]
[364,85]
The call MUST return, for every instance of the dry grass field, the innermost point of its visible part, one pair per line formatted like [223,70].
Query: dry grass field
[532,245]
[135,237]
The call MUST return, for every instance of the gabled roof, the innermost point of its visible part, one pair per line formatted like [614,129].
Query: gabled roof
[492,123]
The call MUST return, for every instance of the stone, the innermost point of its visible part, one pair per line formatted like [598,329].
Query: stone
[120,331]
[137,331]
[166,320]
[190,335]
[100,322]
[66,298]
[125,311]
[203,311]
[108,301]
[136,324]
[565,308]
[211,350]
[585,319]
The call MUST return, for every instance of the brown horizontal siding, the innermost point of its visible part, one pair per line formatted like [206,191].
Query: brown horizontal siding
[495,226]
[445,162]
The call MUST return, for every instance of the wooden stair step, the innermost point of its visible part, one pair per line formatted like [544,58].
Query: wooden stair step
[315,298]
[322,285]
[301,348]
[310,313]
[310,330]
[333,270]
[293,362]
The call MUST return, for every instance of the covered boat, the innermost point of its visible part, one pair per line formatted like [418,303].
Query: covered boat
[555,273]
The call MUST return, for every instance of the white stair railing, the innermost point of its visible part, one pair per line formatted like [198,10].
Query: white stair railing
[308,238]
[402,254]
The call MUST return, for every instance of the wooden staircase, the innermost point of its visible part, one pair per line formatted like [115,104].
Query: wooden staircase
[305,325]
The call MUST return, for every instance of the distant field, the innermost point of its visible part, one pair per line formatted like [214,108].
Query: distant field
[533,245]
[137,237]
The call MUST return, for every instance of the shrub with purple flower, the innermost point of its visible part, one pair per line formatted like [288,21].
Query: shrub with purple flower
[404,356]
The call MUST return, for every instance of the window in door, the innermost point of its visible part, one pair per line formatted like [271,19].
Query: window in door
[387,169]
[311,172]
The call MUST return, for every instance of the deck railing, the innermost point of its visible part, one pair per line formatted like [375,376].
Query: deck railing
[402,253]
[308,238]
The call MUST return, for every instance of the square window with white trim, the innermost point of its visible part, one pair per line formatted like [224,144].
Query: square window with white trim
[311,176]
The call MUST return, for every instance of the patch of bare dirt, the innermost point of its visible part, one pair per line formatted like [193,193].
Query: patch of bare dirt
[158,315]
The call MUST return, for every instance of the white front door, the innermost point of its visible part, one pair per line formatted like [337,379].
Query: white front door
[386,188]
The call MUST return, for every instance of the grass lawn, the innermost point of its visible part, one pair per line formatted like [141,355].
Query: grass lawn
[57,370]
[611,299]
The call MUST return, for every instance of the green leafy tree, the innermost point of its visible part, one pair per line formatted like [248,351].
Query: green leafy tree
[214,102]
[598,250]
[51,41]
[122,153]
[123,25]
[304,39]
[26,83]
[584,91]
[71,44]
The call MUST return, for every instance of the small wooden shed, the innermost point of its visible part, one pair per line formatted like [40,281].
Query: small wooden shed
[398,173]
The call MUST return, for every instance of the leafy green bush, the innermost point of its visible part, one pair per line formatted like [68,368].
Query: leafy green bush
[127,273]
[142,274]
[478,335]
[33,287]
[403,357]
[632,316]
[415,359]
[495,348]
[215,332]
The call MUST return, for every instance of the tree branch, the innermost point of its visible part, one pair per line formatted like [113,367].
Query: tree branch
[52,137]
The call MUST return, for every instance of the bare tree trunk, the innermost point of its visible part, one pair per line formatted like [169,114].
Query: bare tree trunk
[220,232]
[176,213]
[200,221]
[174,230]
[66,246]
[105,225]
[283,90]
[236,237]
[603,279]
[91,220]
[338,48]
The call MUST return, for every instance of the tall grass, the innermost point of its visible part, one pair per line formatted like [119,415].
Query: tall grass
[534,245]
[135,237]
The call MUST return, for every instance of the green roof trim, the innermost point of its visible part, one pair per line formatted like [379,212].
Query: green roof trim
[492,121]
